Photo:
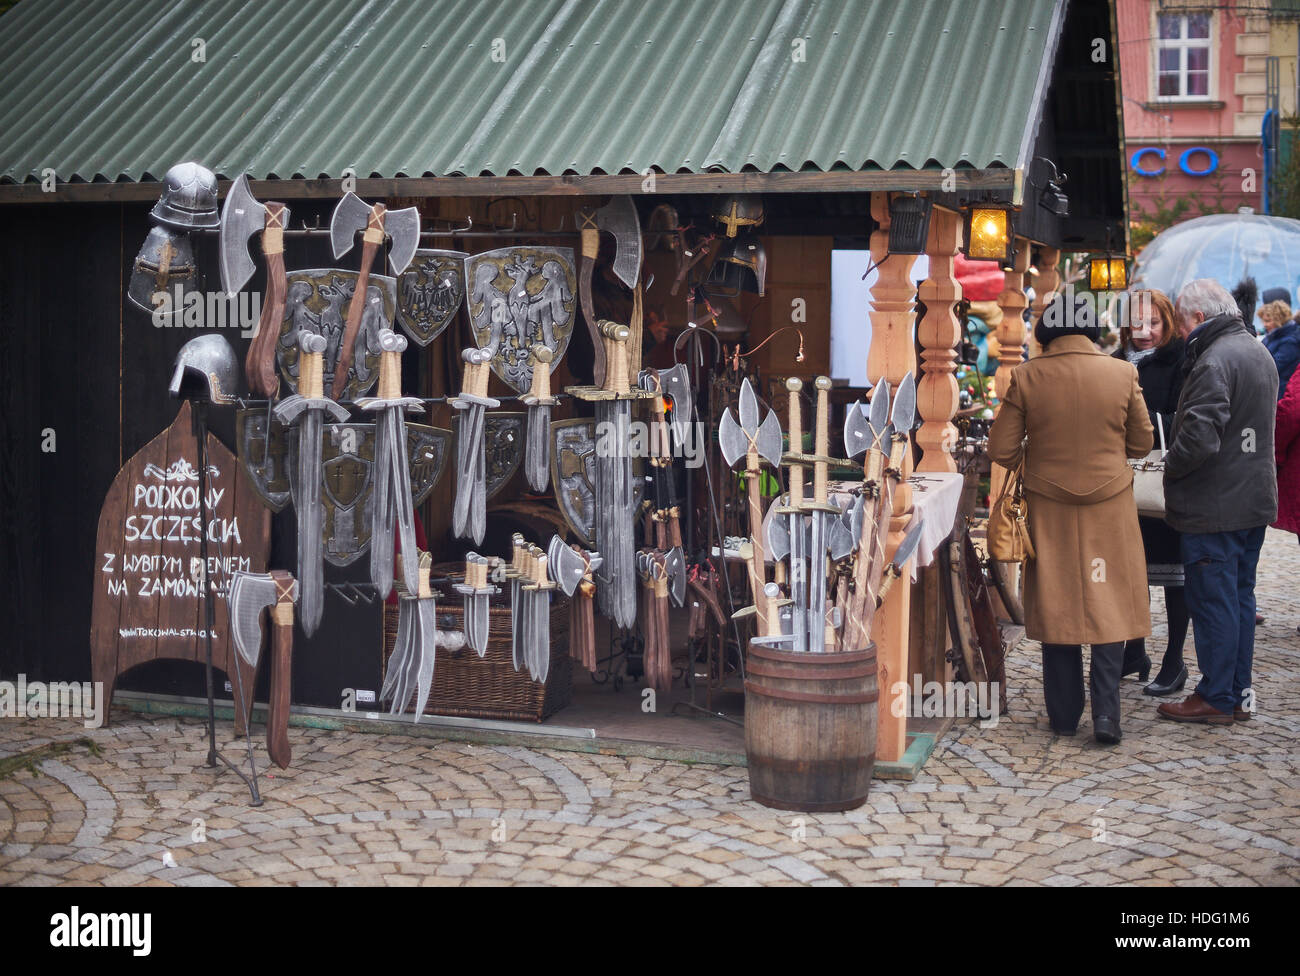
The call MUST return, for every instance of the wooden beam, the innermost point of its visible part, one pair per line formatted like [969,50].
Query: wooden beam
[487,186]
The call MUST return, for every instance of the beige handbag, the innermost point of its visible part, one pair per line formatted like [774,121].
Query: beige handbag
[1008,532]
[1149,478]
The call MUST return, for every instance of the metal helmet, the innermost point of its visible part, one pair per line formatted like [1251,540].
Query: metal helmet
[738,210]
[165,262]
[206,369]
[741,265]
[189,198]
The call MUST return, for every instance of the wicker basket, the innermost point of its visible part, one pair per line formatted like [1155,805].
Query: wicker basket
[489,687]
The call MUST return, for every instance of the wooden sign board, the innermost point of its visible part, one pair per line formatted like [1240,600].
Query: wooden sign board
[147,599]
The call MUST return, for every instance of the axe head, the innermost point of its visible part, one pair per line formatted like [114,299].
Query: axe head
[857,432]
[566,566]
[769,439]
[402,228]
[675,565]
[878,416]
[242,216]
[731,439]
[903,417]
[777,530]
[619,219]
[840,543]
[248,596]
[676,383]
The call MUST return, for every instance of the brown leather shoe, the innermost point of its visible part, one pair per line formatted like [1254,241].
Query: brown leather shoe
[1241,715]
[1194,708]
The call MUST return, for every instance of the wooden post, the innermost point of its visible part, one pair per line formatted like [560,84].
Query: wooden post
[939,333]
[1046,282]
[891,357]
[1011,336]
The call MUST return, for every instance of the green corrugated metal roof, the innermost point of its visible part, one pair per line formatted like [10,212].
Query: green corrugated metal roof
[108,90]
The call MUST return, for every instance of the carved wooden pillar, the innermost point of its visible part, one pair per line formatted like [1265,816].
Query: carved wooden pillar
[939,333]
[1011,331]
[891,357]
[1046,282]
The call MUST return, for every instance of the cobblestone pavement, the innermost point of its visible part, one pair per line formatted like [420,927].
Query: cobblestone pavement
[1172,804]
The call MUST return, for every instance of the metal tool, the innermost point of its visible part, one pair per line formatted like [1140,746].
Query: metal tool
[305,409]
[906,549]
[755,441]
[793,511]
[826,523]
[249,594]
[619,219]
[615,499]
[537,455]
[392,502]
[675,383]
[572,569]
[402,227]
[242,216]
[666,515]
[514,573]
[469,515]
[410,668]
[536,593]
[477,592]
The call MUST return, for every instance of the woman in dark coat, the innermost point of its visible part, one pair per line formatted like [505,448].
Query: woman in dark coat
[1150,342]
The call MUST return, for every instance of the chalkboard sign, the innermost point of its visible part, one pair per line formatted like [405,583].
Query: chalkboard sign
[147,594]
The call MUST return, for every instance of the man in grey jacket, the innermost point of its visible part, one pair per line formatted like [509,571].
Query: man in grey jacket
[1221,494]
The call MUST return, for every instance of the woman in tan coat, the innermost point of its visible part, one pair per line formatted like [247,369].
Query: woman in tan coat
[1076,416]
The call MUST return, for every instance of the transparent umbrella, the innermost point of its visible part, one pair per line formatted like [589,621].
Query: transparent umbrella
[1227,248]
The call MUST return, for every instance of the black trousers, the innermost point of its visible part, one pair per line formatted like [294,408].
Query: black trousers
[1063,682]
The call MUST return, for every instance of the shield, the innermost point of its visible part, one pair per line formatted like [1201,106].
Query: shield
[264,456]
[347,480]
[573,475]
[518,297]
[503,447]
[427,448]
[317,300]
[429,293]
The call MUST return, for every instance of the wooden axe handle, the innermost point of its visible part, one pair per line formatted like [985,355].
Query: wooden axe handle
[587,264]
[277,719]
[259,363]
[374,237]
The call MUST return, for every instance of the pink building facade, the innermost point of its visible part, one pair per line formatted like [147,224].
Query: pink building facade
[1194,83]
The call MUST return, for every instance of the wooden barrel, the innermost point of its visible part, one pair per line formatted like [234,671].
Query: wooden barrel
[810,727]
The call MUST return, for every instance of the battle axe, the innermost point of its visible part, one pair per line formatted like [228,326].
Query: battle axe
[250,594]
[619,219]
[402,227]
[241,218]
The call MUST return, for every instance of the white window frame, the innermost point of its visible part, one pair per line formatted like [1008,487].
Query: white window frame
[1183,44]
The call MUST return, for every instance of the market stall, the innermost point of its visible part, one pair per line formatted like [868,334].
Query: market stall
[500,374]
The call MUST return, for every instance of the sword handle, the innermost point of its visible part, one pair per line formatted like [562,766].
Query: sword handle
[615,337]
[391,347]
[540,392]
[794,385]
[822,448]
[898,452]
[426,590]
[311,370]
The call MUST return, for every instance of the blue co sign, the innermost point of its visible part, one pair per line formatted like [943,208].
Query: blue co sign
[1138,161]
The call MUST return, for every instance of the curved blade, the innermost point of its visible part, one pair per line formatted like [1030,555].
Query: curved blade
[840,542]
[878,416]
[349,217]
[748,407]
[426,646]
[403,230]
[768,441]
[242,216]
[911,539]
[619,219]
[857,432]
[777,533]
[904,416]
[675,565]
[731,439]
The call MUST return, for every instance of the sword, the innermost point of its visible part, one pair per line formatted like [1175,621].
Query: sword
[615,530]
[305,408]
[514,573]
[410,668]
[537,461]
[793,510]
[469,516]
[825,519]
[476,591]
[392,491]
[538,619]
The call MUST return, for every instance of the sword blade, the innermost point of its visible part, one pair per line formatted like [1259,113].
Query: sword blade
[543,634]
[481,622]
[516,621]
[798,582]
[427,646]
[464,474]
[311,599]
[817,579]
[403,505]
[381,521]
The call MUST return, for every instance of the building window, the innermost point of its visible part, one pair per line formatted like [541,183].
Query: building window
[1183,56]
